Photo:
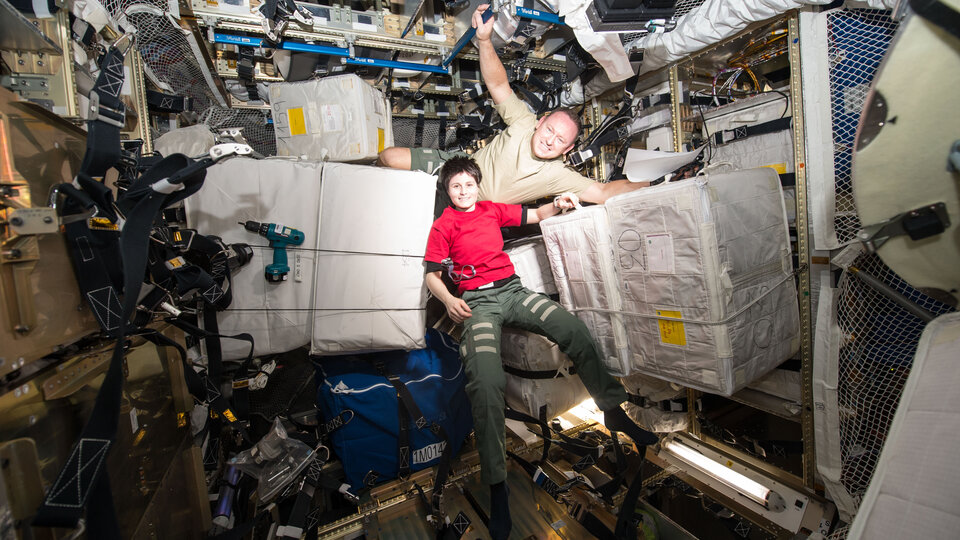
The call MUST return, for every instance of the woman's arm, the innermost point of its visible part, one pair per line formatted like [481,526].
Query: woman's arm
[561,202]
[457,309]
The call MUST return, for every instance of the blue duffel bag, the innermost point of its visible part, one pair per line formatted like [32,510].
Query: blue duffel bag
[400,411]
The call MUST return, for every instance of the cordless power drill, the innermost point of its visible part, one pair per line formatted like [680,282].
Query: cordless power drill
[280,237]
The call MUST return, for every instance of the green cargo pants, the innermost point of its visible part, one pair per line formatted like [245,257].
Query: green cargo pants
[516,306]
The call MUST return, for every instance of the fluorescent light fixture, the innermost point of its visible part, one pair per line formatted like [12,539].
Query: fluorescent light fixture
[750,488]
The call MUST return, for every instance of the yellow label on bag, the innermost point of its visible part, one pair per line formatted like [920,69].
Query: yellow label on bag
[298,125]
[781,168]
[380,137]
[671,332]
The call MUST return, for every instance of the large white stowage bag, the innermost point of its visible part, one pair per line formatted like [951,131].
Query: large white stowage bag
[772,147]
[711,251]
[338,118]
[581,257]
[535,390]
[529,258]
[370,293]
[274,190]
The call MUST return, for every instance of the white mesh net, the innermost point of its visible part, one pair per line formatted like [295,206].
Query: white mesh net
[682,8]
[857,41]
[879,340]
[165,49]
[840,533]
[686,6]
[257,129]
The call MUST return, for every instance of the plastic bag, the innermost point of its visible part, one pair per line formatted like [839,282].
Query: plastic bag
[275,461]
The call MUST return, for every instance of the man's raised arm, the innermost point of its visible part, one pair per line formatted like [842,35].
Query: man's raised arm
[491,68]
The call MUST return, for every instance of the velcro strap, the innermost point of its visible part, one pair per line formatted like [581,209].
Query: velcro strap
[742,132]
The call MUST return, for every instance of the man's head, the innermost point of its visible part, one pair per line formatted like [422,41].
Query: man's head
[460,178]
[555,134]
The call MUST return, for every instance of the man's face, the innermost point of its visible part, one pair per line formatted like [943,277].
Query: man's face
[463,191]
[554,136]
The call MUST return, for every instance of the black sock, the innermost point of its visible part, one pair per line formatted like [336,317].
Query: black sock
[500,523]
[617,420]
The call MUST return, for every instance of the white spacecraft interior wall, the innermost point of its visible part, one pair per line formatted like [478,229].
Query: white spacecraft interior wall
[818,129]
[338,118]
[913,492]
[275,190]
[373,228]
[712,251]
[826,411]
[529,258]
[532,352]
[654,418]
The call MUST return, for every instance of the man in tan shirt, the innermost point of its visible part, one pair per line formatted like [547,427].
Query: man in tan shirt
[524,162]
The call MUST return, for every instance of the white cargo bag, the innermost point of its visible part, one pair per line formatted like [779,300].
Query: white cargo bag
[338,118]
[370,293]
[655,417]
[274,190]
[711,251]
[191,141]
[581,258]
[529,258]
[733,122]
[530,352]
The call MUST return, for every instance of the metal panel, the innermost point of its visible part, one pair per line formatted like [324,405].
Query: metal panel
[18,33]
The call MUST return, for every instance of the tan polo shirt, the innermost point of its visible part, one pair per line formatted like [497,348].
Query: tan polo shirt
[511,172]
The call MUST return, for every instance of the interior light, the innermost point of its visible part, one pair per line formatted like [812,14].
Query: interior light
[750,488]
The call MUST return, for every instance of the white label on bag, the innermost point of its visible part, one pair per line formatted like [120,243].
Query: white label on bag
[428,453]
[660,253]
[332,117]
[298,267]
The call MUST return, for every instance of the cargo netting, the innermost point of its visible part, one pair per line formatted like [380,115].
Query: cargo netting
[170,53]
[857,41]
[878,341]
[256,124]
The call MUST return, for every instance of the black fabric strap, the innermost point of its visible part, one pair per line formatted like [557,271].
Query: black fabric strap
[83,472]
[418,132]
[410,405]
[666,405]
[626,524]
[443,114]
[742,132]
[166,103]
[94,246]
[103,133]
[939,14]
[652,101]
[541,374]
[574,446]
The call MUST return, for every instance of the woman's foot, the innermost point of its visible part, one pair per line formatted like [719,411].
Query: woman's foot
[500,522]
[617,420]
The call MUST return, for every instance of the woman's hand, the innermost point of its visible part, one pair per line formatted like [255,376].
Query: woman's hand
[457,309]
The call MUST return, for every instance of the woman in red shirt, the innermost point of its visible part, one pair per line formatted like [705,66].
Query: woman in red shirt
[467,238]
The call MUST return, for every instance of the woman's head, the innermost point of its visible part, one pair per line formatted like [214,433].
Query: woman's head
[460,178]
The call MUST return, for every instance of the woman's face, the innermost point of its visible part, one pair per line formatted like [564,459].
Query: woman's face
[463,192]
